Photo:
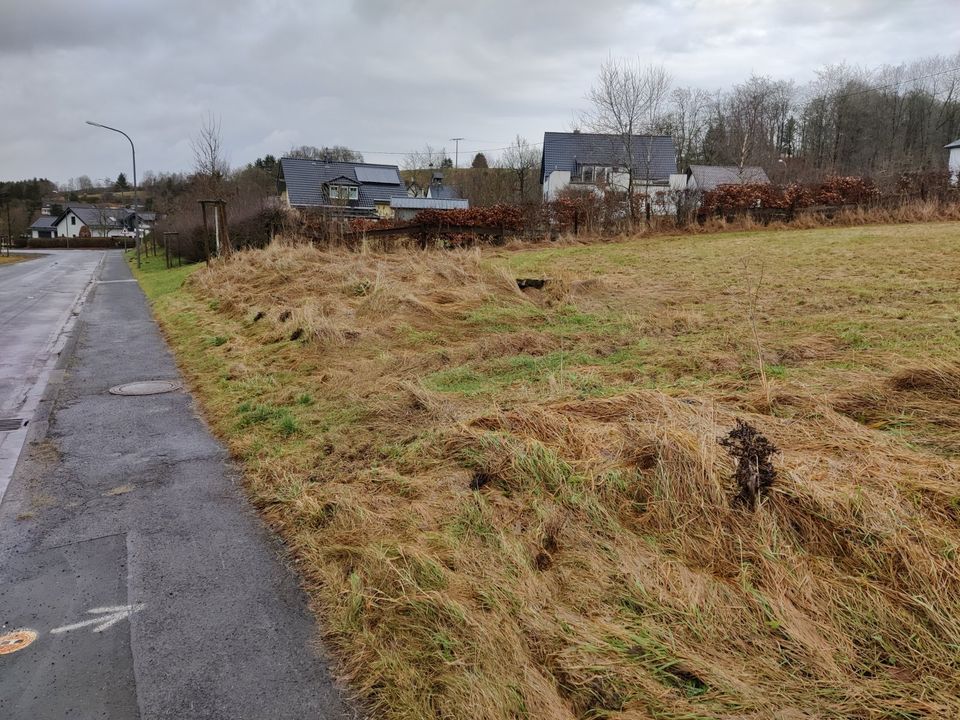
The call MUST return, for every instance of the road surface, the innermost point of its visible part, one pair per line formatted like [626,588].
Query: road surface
[129,555]
[37,300]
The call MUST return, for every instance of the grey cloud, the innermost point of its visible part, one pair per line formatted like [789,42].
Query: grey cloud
[386,75]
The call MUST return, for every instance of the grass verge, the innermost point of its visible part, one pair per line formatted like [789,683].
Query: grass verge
[513,504]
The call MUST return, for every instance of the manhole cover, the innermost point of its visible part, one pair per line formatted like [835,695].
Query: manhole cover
[146,387]
[16,640]
[10,424]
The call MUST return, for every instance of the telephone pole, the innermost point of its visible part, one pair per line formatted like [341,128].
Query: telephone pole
[456,162]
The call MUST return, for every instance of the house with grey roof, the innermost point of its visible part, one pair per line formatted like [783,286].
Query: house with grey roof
[953,164]
[593,161]
[82,220]
[93,221]
[352,189]
[709,177]
[44,226]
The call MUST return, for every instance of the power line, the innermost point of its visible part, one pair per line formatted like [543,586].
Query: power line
[465,152]
[875,88]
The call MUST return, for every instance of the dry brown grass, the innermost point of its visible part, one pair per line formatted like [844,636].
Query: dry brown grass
[513,504]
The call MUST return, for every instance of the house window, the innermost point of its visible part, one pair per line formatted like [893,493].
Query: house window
[73,219]
[587,174]
[344,192]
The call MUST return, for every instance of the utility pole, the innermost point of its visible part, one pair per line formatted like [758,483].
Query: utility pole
[136,217]
[456,162]
[6,197]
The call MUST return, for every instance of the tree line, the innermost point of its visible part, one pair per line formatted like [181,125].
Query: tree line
[876,122]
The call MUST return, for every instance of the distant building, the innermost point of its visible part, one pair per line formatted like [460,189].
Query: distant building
[406,208]
[44,226]
[594,161]
[79,220]
[954,162]
[439,191]
[710,177]
[353,189]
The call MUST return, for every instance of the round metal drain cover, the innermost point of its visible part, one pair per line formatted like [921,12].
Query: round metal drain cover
[146,387]
[17,640]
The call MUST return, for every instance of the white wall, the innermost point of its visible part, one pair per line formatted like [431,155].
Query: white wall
[954,165]
[555,182]
[66,228]
[559,179]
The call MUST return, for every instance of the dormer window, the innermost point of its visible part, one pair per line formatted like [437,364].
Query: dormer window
[344,192]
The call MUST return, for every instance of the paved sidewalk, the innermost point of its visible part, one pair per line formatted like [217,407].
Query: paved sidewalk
[127,546]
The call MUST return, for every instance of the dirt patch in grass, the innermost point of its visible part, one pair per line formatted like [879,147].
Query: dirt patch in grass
[513,503]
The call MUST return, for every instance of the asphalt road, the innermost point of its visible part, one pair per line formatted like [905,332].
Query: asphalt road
[127,546]
[37,301]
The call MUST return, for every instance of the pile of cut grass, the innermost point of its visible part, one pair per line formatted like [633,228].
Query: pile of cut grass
[513,504]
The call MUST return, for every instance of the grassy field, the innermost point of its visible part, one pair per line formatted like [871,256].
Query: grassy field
[512,503]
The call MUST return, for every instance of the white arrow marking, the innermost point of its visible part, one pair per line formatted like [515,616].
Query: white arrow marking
[108,617]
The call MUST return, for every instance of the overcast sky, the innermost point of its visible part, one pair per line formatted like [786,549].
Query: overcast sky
[388,76]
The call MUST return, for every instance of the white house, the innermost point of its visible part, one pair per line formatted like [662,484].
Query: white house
[954,162]
[595,161]
[92,221]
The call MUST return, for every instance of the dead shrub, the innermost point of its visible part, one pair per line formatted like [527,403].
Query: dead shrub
[755,474]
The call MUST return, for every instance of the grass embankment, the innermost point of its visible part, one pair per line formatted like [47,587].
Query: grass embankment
[10,259]
[511,504]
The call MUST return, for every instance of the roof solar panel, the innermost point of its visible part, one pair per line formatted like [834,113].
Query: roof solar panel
[383,176]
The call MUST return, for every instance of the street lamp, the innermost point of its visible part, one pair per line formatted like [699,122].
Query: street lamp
[136,219]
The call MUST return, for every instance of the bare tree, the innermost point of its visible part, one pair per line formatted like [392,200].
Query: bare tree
[687,122]
[627,100]
[333,153]
[421,164]
[209,162]
[427,158]
[521,159]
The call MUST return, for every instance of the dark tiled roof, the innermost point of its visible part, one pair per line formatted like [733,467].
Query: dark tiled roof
[99,217]
[954,144]
[565,150]
[708,177]
[45,222]
[304,180]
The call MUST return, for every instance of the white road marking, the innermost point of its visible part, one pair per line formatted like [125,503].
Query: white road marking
[107,282]
[108,617]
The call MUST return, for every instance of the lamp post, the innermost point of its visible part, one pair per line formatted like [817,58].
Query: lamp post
[133,150]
